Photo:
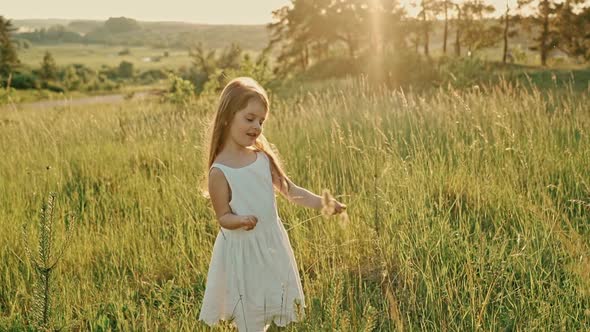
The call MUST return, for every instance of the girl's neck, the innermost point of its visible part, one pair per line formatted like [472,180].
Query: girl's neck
[234,149]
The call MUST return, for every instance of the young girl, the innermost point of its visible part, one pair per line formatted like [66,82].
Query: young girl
[253,277]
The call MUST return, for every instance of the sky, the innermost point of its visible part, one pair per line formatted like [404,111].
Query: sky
[194,11]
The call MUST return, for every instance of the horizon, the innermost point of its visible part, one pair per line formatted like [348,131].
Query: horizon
[220,12]
[195,11]
[136,19]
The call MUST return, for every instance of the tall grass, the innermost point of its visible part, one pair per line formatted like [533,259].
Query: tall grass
[468,210]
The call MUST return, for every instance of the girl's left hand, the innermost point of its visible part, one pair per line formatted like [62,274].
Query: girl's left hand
[330,206]
[339,207]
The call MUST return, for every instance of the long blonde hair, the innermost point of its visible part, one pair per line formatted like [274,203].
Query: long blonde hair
[235,97]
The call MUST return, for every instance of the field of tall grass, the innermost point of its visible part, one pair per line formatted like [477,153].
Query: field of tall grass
[467,210]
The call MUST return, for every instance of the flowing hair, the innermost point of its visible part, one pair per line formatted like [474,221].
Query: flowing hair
[235,97]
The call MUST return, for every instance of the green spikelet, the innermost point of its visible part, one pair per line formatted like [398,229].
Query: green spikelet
[44,262]
[369,316]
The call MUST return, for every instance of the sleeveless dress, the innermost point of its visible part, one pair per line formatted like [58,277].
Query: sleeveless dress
[253,277]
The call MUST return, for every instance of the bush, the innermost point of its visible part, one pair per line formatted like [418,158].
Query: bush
[393,69]
[24,80]
[464,72]
[152,75]
[407,68]
[54,87]
[71,79]
[125,69]
[336,67]
[181,91]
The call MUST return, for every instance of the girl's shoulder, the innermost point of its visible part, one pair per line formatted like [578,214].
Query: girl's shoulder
[262,153]
[227,162]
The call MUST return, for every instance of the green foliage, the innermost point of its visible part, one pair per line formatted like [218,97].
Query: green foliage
[152,75]
[44,263]
[8,57]
[125,70]
[71,79]
[5,96]
[54,86]
[464,72]
[334,67]
[519,54]
[181,91]
[52,35]
[210,72]
[572,26]
[48,71]
[121,24]
[22,44]
[399,69]
[24,80]
[124,32]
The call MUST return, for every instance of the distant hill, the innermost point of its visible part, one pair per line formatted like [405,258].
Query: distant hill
[32,24]
[155,34]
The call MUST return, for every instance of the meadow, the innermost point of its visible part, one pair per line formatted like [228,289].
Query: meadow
[467,209]
[95,56]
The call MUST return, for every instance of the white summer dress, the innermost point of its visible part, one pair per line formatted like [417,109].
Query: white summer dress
[253,277]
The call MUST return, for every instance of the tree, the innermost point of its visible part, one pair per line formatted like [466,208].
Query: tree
[507,19]
[305,27]
[444,7]
[472,28]
[209,68]
[309,29]
[121,24]
[543,17]
[8,57]
[125,69]
[458,29]
[427,10]
[572,29]
[48,69]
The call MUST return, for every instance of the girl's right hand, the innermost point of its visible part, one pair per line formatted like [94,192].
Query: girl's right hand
[249,222]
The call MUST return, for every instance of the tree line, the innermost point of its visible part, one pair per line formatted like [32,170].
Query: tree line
[129,32]
[311,30]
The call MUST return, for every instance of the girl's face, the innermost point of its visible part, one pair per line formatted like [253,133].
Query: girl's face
[246,125]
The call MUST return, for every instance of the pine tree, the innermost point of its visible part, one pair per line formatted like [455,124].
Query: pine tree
[573,29]
[8,57]
[48,70]
[544,17]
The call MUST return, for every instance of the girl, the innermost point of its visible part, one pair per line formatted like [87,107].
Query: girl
[253,277]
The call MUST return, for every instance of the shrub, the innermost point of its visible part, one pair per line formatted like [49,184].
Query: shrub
[181,91]
[24,80]
[125,69]
[152,75]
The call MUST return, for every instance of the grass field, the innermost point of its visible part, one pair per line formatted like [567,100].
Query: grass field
[94,56]
[468,210]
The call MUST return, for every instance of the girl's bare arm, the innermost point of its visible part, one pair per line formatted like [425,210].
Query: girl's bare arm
[302,196]
[220,195]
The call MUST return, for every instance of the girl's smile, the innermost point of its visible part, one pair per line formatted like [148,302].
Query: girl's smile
[246,125]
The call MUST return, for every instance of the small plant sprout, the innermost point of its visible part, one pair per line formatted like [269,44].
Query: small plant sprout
[44,262]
